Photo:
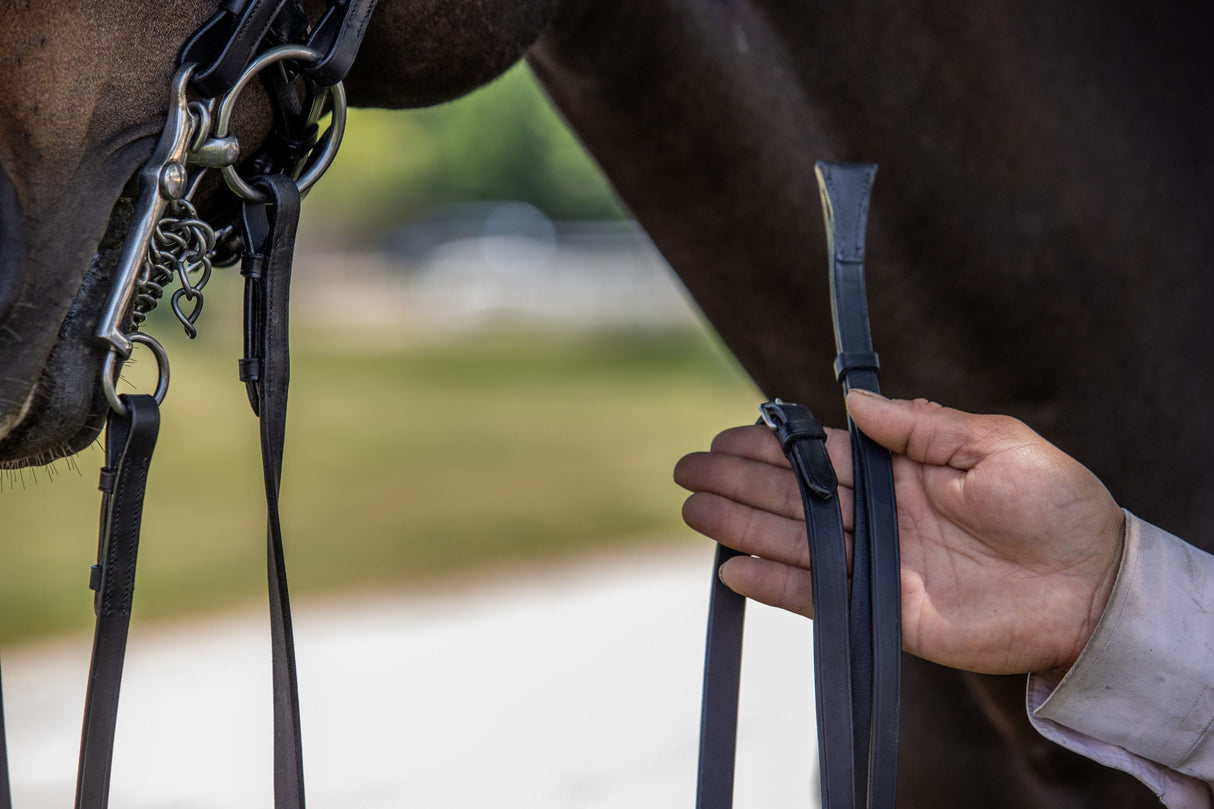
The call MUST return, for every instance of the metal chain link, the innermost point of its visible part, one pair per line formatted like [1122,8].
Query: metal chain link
[181,244]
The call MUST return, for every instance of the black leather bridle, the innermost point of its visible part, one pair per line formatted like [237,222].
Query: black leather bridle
[857,629]
[243,38]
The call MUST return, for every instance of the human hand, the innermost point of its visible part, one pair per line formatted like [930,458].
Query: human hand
[1009,547]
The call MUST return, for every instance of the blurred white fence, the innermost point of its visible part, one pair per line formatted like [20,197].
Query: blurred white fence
[491,263]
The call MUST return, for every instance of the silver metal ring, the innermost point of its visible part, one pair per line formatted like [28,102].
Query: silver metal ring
[331,138]
[110,367]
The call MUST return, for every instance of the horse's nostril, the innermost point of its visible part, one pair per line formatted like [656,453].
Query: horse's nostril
[10,246]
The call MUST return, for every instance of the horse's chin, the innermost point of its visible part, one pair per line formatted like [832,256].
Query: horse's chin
[65,410]
[68,420]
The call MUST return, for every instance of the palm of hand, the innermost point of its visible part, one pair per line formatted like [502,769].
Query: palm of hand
[987,585]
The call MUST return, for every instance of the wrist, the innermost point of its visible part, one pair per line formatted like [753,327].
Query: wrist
[1105,579]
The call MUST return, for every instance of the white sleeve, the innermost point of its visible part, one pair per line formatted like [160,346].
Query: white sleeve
[1140,697]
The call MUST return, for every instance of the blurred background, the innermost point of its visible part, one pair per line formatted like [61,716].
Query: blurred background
[493,375]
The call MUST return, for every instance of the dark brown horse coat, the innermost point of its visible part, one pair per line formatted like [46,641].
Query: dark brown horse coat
[1040,238]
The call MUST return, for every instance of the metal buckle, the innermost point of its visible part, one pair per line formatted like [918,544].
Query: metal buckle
[772,415]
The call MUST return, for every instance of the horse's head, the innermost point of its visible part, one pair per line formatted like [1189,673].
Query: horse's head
[83,97]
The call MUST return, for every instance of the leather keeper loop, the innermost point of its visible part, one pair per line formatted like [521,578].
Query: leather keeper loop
[800,427]
[250,369]
[853,360]
[252,264]
[105,480]
[817,472]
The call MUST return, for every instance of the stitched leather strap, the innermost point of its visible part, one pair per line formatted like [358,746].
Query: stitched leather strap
[876,571]
[338,36]
[129,445]
[857,628]
[804,443]
[803,440]
[270,233]
[227,43]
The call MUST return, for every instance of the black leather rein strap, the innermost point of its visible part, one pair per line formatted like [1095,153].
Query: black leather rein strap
[803,440]
[719,703]
[270,236]
[857,632]
[876,570]
[128,453]
[130,441]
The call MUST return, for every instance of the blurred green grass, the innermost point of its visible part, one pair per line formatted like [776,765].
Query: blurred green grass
[403,464]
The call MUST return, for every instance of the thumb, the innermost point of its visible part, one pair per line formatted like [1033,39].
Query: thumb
[929,433]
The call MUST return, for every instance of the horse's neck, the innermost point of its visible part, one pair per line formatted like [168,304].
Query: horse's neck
[1039,240]
[1010,142]
[422,52]
[992,127]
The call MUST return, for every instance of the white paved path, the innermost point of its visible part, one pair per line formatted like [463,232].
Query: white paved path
[576,688]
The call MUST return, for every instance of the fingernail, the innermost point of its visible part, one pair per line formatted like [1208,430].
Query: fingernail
[867,393]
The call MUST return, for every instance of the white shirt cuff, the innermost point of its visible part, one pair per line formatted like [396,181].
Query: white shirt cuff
[1140,697]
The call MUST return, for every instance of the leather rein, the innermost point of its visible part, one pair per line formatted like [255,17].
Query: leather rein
[857,629]
[302,67]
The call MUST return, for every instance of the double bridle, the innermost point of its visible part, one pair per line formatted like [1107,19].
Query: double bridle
[857,628]
[301,67]
[857,637]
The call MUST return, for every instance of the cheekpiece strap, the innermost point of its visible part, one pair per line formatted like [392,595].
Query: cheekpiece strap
[227,43]
[338,35]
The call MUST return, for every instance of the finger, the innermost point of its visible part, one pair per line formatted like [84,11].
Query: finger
[754,441]
[930,433]
[748,530]
[752,483]
[773,583]
[754,532]
[758,443]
